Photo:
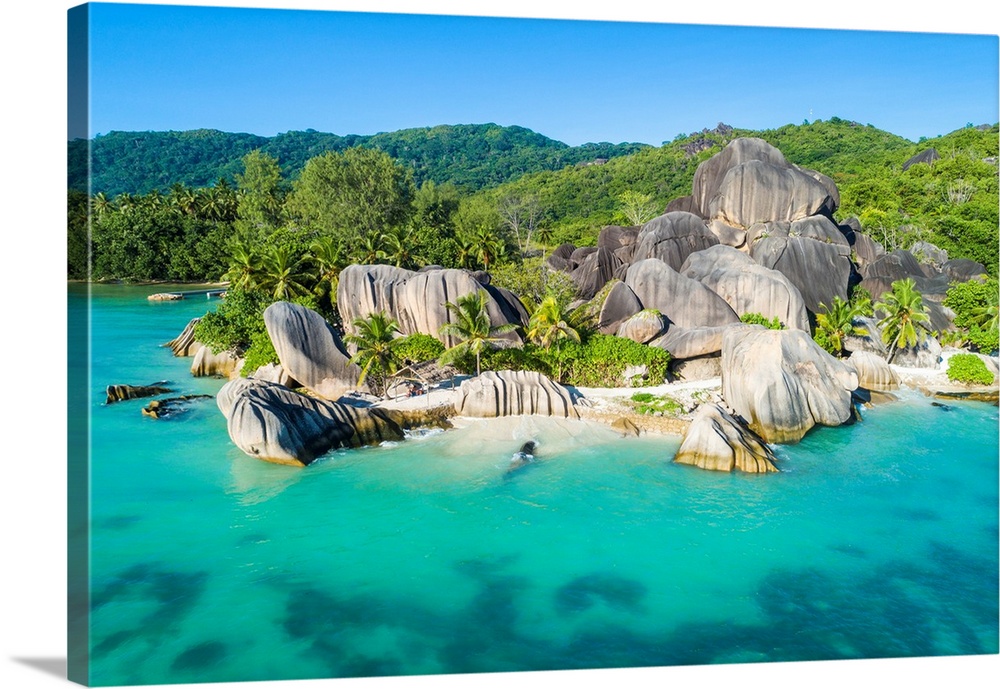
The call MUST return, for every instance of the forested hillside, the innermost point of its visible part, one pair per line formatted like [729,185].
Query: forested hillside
[470,156]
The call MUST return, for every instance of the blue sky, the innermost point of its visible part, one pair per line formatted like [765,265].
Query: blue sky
[268,71]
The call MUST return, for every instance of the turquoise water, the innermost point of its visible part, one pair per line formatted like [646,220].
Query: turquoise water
[877,540]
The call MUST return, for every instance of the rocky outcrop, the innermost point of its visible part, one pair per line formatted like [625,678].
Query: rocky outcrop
[171,407]
[309,350]
[688,343]
[274,373]
[119,393]
[747,286]
[594,271]
[512,393]
[726,234]
[271,422]
[417,300]
[207,363]
[757,191]
[642,327]
[924,354]
[866,249]
[873,372]
[683,301]
[926,157]
[184,344]
[718,441]
[619,305]
[673,237]
[710,174]
[812,253]
[783,383]
[696,368]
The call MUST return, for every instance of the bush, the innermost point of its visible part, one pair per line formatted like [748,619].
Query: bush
[530,357]
[418,347]
[259,353]
[601,360]
[236,321]
[968,368]
[760,319]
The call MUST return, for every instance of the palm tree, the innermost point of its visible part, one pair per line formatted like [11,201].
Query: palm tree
[472,326]
[905,321]
[549,328]
[399,248]
[375,339]
[487,246]
[465,252]
[838,323]
[282,274]
[244,266]
[369,249]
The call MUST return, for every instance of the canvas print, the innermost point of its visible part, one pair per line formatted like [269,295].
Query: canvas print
[424,345]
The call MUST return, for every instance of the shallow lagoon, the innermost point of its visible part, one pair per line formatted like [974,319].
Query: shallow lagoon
[876,540]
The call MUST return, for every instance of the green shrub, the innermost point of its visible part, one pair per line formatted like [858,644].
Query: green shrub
[530,357]
[968,368]
[233,324]
[259,353]
[760,319]
[601,360]
[987,340]
[648,403]
[418,347]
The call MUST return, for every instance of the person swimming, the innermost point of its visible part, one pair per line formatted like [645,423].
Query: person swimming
[526,455]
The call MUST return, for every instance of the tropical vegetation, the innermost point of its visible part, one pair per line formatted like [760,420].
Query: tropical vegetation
[905,322]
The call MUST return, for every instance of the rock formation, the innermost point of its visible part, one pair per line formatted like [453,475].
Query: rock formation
[747,286]
[873,372]
[783,383]
[119,393]
[512,393]
[719,441]
[184,344]
[417,300]
[642,327]
[271,422]
[683,301]
[310,351]
[207,363]
[687,343]
[673,237]
[619,305]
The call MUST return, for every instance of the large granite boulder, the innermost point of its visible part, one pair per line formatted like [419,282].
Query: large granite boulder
[710,174]
[185,344]
[614,237]
[274,373]
[683,203]
[270,422]
[747,286]
[756,191]
[866,249]
[963,270]
[924,354]
[873,372]
[688,343]
[310,350]
[735,237]
[718,441]
[672,237]
[119,393]
[224,364]
[619,305]
[812,253]
[596,269]
[643,327]
[417,300]
[513,393]
[683,301]
[927,156]
[783,383]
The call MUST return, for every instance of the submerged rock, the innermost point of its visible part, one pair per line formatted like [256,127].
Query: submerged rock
[119,393]
[513,393]
[783,383]
[171,406]
[719,441]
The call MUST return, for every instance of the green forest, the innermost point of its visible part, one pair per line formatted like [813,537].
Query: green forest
[364,204]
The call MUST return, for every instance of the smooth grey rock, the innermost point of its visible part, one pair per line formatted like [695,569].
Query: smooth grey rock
[811,253]
[728,235]
[310,351]
[596,269]
[927,157]
[207,363]
[873,372]
[185,344]
[756,191]
[619,305]
[274,373]
[697,368]
[513,393]
[672,237]
[925,354]
[684,302]
[643,327]
[963,270]
[718,441]
[747,286]
[688,343]
[270,422]
[783,383]
[614,237]
[866,249]
[709,175]
[686,204]
[870,342]
[415,300]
